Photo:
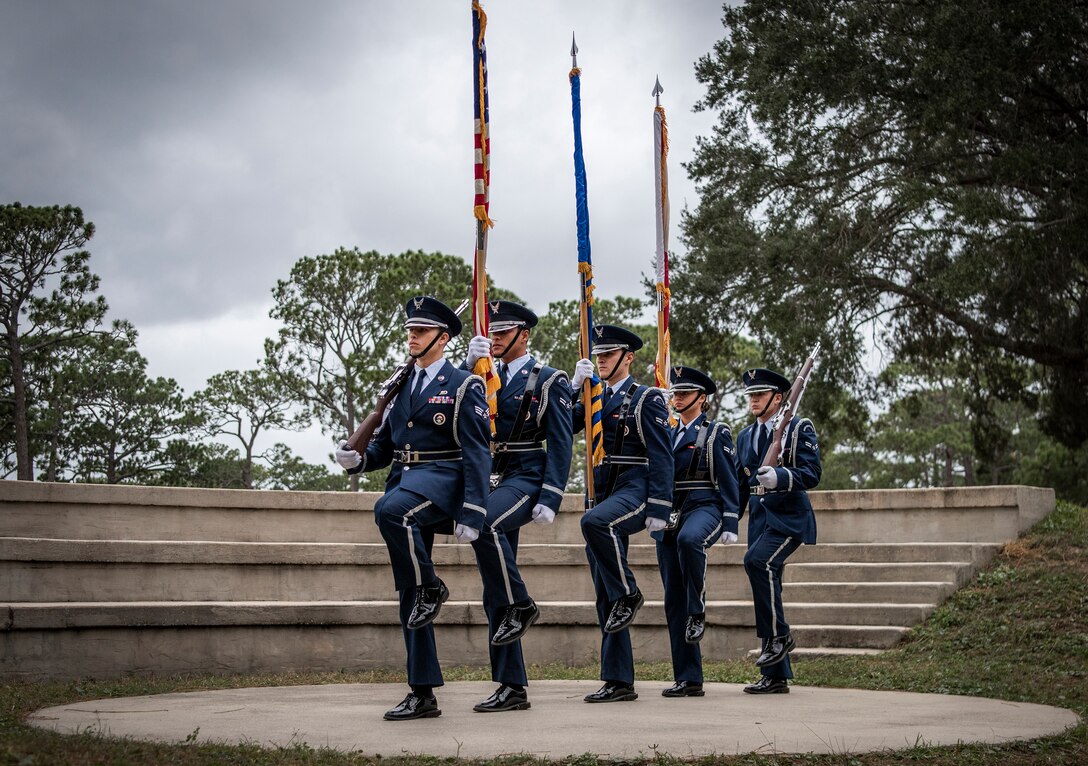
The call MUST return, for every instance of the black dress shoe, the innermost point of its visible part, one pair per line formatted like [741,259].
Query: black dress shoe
[684,689]
[693,631]
[514,623]
[504,698]
[611,692]
[768,685]
[429,599]
[623,612]
[412,707]
[777,648]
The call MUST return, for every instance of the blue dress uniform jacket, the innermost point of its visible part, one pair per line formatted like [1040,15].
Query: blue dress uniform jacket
[717,463]
[548,421]
[450,413]
[647,435]
[785,508]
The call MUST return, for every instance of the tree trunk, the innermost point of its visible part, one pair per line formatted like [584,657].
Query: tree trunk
[948,466]
[968,470]
[18,387]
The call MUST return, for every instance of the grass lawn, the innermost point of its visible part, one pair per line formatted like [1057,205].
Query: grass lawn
[1019,632]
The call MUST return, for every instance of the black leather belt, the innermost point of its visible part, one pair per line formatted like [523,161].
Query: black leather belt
[422,456]
[694,484]
[624,460]
[500,447]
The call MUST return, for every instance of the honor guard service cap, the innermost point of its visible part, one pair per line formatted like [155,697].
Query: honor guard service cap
[425,311]
[759,380]
[506,315]
[690,379]
[608,337]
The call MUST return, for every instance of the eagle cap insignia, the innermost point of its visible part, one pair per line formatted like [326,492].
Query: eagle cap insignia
[751,373]
[599,331]
[494,307]
[678,370]
[418,301]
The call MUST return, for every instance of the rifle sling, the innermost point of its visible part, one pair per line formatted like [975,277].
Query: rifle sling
[502,458]
[617,442]
[681,497]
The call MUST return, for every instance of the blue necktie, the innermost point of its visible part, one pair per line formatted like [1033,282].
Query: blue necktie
[503,369]
[418,386]
[761,448]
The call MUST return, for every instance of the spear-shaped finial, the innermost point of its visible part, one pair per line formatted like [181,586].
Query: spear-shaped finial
[573,52]
[658,90]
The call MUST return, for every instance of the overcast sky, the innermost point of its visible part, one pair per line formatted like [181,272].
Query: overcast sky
[214,143]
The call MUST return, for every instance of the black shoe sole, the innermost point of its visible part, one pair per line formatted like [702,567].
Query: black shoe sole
[699,693]
[783,690]
[428,714]
[690,641]
[517,636]
[629,697]
[518,706]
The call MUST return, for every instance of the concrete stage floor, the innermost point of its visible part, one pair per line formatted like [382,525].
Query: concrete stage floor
[725,721]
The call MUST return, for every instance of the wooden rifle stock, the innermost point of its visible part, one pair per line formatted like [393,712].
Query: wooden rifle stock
[788,408]
[359,440]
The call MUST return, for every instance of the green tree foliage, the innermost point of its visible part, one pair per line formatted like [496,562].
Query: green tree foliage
[907,175]
[126,420]
[47,301]
[242,405]
[288,471]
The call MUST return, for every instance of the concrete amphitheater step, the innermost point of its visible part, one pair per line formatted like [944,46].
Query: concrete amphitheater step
[125,570]
[82,640]
[80,511]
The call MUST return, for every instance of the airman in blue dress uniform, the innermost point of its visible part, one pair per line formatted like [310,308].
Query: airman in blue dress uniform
[532,456]
[780,517]
[436,436]
[705,509]
[633,488]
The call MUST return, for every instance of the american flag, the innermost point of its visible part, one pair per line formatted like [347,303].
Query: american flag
[484,367]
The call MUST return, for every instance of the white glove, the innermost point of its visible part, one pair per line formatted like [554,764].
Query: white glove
[655,525]
[347,458]
[583,371]
[478,348]
[465,534]
[542,514]
[727,538]
[767,477]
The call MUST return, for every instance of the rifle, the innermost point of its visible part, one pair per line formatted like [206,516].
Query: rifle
[788,409]
[360,439]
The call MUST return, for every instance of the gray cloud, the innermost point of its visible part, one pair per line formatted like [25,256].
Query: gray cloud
[213,144]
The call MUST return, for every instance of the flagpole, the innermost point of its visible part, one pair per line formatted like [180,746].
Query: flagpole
[592,390]
[661,257]
[484,367]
